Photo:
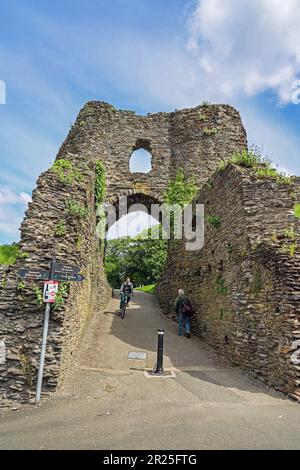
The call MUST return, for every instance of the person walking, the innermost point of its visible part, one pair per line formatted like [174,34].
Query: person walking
[184,310]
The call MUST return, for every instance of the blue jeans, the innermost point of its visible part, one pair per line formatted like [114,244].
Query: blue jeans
[184,320]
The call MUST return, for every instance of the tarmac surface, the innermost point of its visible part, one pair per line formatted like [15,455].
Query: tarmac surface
[108,402]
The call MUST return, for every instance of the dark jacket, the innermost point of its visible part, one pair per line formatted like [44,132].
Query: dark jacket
[127,288]
[181,299]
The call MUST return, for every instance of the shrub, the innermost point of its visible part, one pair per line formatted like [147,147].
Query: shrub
[180,191]
[66,171]
[210,131]
[262,166]
[257,283]
[22,255]
[264,173]
[297,210]
[39,298]
[293,248]
[76,209]
[290,233]
[290,248]
[21,286]
[214,220]
[60,228]
[220,286]
[245,158]
[8,254]
[229,248]
[61,295]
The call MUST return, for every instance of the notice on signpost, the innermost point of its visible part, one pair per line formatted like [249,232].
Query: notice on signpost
[50,290]
[33,274]
[64,268]
[68,277]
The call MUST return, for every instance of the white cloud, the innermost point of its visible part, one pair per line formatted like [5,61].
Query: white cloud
[12,207]
[247,46]
[9,196]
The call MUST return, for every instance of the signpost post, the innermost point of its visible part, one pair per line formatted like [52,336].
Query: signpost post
[44,342]
[58,272]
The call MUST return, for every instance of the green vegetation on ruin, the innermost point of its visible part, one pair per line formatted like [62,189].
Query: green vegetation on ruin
[181,190]
[66,171]
[261,166]
[38,293]
[221,288]
[210,131]
[61,295]
[76,209]
[60,228]
[100,183]
[214,220]
[297,210]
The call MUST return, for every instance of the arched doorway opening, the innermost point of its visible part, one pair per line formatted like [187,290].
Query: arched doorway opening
[132,249]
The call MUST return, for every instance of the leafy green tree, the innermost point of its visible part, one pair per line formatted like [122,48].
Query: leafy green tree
[139,258]
[8,253]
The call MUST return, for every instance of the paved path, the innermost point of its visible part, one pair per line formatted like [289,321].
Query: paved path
[108,403]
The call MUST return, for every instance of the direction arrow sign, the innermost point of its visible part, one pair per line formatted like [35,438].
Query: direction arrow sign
[64,268]
[33,274]
[68,277]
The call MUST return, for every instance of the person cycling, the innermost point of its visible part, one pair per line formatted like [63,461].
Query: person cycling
[126,292]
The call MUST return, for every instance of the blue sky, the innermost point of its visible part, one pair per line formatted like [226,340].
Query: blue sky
[146,55]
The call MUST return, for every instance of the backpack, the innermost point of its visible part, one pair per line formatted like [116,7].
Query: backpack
[187,309]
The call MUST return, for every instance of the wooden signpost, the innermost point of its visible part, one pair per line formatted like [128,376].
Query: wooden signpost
[57,272]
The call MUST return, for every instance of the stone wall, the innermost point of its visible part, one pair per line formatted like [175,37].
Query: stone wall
[244,282]
[21,317]
[194,139]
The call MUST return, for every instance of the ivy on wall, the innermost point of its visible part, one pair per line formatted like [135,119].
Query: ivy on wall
[100,183]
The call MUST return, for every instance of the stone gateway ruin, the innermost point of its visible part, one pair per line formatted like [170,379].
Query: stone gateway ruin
[244,282]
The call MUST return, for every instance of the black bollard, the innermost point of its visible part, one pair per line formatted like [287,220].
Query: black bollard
[160,352]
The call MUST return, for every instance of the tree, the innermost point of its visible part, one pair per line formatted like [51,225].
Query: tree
[8,253]
[139,258]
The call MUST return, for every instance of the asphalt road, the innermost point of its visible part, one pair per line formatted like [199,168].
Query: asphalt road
[108,403]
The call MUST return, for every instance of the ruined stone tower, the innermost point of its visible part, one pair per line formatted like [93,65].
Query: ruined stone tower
[63,214]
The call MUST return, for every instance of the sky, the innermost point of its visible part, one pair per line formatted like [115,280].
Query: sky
[144,55]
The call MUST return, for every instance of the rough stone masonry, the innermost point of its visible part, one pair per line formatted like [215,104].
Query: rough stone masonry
[62,214]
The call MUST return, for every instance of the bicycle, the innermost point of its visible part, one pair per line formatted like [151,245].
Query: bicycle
[123,304]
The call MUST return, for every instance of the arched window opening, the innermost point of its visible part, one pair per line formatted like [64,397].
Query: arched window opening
[140,161]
